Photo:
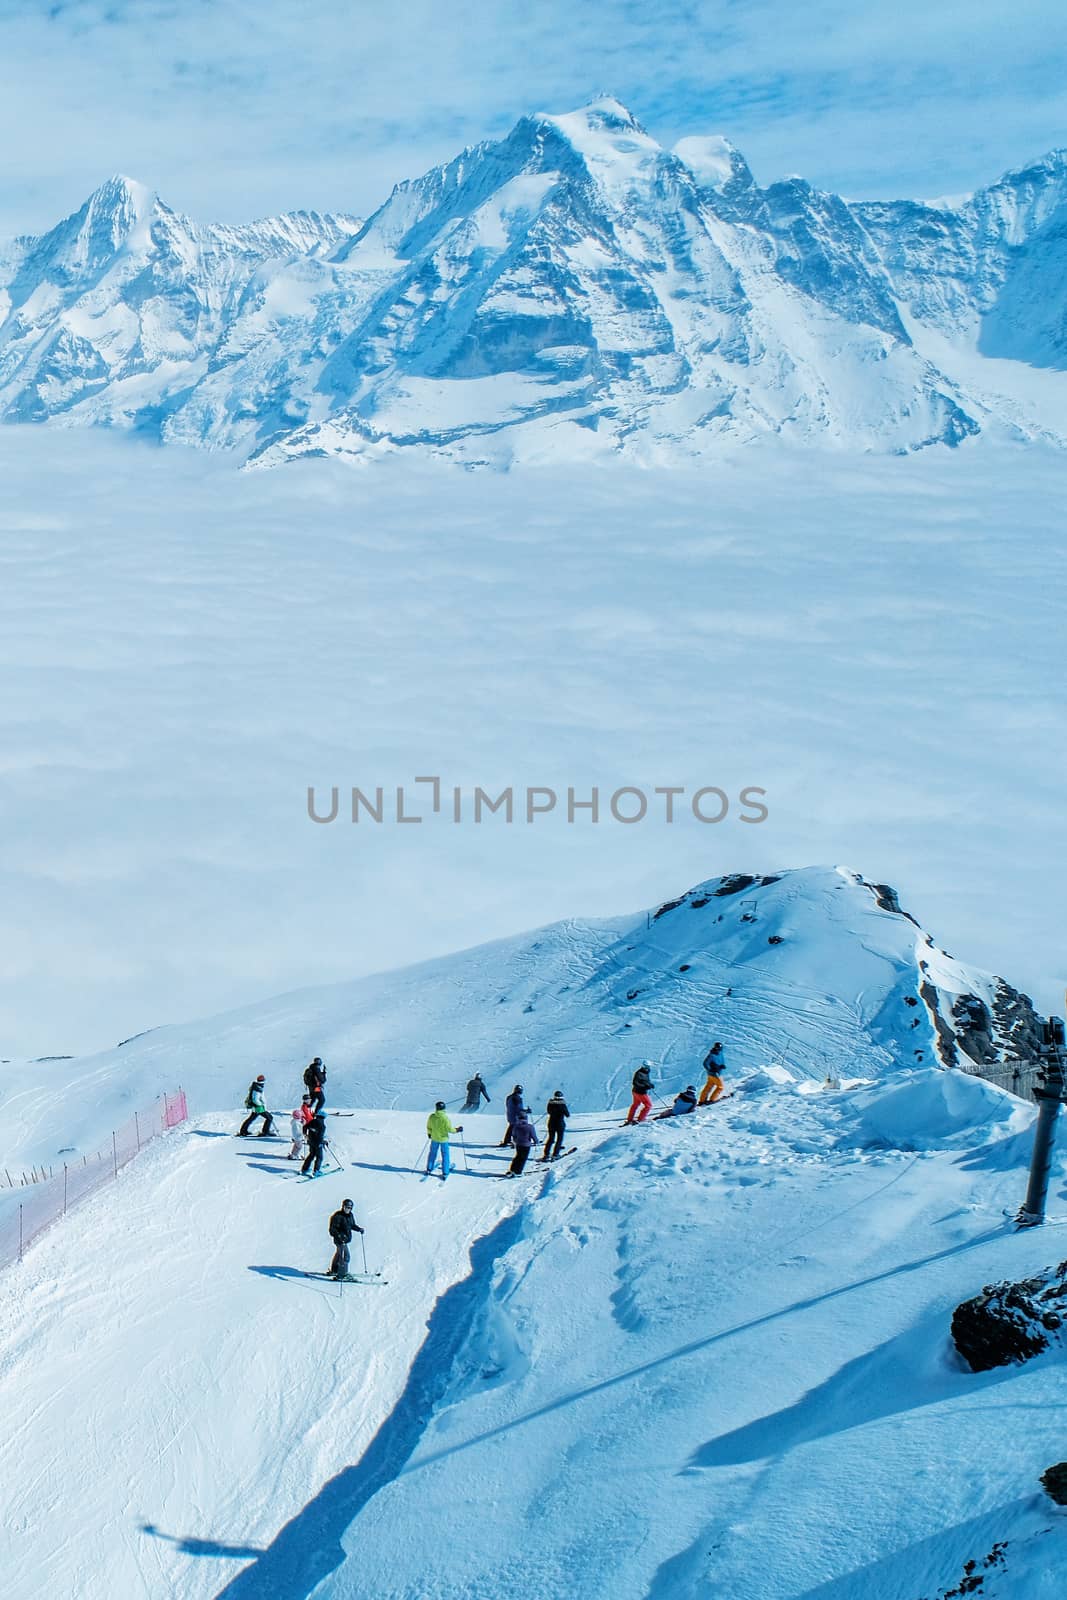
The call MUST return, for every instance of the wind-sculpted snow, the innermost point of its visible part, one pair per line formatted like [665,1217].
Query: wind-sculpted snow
[571,290]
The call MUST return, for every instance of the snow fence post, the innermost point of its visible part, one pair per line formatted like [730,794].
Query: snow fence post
[1050,1093]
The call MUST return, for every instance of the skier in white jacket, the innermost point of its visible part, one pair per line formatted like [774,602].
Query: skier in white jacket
[298,1127]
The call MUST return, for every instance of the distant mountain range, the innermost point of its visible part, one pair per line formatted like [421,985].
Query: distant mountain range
[573,290]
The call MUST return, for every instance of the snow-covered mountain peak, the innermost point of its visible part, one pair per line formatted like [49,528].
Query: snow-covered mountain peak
[715,163]
[122,197]
[572,288]
[116,216]
[610,142]
[603,119]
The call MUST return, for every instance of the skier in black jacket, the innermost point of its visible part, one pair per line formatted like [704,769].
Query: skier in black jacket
[343,1225]
[642,1088]
[317,1143]
[558,1112]
[475,1090]
[314,1075]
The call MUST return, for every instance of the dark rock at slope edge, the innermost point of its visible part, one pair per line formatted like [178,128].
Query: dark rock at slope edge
[1011,1322]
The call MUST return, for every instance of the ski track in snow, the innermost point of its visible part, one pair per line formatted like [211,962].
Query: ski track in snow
[163,1366]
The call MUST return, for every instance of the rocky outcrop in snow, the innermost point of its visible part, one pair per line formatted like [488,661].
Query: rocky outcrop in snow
[1011,1322]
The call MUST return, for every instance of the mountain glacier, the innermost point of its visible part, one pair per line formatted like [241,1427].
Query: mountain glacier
[573,290]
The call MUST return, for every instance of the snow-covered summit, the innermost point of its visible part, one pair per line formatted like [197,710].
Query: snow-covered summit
[571,289]
[814,968]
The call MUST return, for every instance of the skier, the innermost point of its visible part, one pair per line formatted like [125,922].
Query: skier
[255,1108]
[317,1087]
[642,1091]
[298,1123]
[558,1113]
[683,1104]
[317,1143]
[525,1136]
[475,1090]
[438,1128]
[713,1066]
[513,1107]
[314,1075]
[343,1225]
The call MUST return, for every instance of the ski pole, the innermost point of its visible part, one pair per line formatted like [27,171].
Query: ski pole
[422,1152]
[363,1242]
[463,1143]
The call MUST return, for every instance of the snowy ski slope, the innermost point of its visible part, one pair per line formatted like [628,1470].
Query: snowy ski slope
[699,1356]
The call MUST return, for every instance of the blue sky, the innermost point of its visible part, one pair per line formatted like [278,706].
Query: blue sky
[233,109]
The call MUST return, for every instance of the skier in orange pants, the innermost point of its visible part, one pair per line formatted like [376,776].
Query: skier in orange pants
[713,1066]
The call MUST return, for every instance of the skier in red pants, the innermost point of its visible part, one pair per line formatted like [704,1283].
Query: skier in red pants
[642,1088]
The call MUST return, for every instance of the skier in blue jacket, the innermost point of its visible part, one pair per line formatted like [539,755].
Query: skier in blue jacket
[683,1104]
[513,1107]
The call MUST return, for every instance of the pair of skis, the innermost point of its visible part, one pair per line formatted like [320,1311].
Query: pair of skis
[540,1162]
[369,1280]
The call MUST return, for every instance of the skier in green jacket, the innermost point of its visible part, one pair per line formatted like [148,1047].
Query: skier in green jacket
[439,1127]
[255,1108]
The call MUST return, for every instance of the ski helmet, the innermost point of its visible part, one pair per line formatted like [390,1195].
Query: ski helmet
[517,1089]
[440,1106]
[260,1078]
[716,1047]
[346,1205]
[305,1099]
[316,1061]
[689,1089]
[646,1063]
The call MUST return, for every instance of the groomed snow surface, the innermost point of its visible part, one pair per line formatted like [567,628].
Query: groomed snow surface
[696,1358]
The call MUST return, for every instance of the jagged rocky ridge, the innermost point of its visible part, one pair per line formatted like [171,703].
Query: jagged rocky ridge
[572,289]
